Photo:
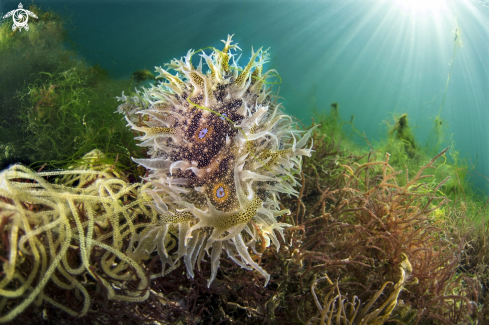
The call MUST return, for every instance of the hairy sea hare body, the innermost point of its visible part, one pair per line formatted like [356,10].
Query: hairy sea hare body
[220,154]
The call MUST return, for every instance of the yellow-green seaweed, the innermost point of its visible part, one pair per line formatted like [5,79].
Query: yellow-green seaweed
[47,222]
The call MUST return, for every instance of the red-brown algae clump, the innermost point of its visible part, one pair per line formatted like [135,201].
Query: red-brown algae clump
[220,154]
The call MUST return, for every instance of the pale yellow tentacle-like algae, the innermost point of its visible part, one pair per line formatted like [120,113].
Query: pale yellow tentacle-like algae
[47,224]
[338,310]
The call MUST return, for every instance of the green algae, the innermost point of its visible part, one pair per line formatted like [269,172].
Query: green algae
[23,57]
[54,107]
[69,114]
[142,75]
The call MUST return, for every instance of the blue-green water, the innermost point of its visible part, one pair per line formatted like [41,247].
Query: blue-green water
[375,58]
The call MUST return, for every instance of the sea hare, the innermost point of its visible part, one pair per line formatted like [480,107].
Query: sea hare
[220,154]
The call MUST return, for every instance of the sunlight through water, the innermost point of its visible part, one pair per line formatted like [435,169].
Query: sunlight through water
[424,7]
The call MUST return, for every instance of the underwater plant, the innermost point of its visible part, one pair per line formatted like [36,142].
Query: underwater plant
[54,106]
[24,56]
[142,75]
[359,218]
[400,136]
[220,154]
[67,114]
[66,238]
[338,310]
[436,137]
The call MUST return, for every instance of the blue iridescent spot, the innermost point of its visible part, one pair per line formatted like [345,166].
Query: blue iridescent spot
[220,192]
[202,133]
[223,116]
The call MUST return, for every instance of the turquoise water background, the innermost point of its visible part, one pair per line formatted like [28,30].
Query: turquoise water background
[376,58]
